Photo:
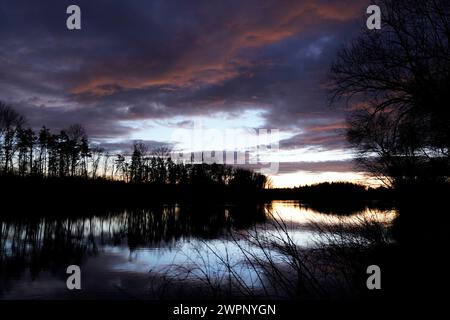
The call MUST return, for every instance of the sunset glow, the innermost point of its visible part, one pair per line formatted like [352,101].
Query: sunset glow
[259,69]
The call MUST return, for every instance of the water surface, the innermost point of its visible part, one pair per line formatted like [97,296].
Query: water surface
[130,253]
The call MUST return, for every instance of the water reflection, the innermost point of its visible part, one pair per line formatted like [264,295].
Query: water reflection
[118,249]
[303,215]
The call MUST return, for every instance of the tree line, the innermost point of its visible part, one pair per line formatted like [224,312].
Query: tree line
[69,153]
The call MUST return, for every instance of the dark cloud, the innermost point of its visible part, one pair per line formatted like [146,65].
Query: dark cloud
[321,134]
[136,60]
[126,146]
[314,167]
[306,166]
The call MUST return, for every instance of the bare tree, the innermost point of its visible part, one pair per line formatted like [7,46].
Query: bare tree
[96,154]
[396,81]
[10,123]
[137,167]
[78,148]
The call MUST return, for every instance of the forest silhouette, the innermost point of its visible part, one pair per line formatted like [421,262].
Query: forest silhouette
[55,169]
[66,166]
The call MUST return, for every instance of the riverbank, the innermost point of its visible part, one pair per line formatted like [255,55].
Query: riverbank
[104,193]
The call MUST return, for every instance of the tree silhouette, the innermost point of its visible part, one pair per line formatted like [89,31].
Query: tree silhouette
[138,162]
[26,140]
[396,81]
[69,155]
[43,145]
[10,123]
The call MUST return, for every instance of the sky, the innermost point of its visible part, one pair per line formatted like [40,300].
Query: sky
[147,70]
